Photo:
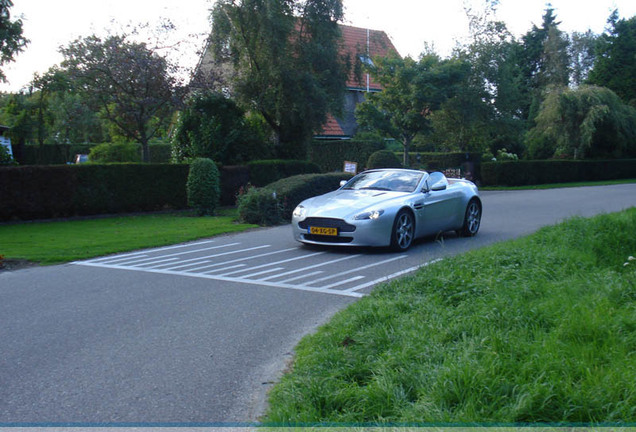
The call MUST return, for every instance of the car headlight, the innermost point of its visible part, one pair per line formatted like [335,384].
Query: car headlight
[299,212]
[374,214]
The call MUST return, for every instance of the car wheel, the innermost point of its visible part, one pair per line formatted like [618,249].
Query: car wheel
[472,219]
[403,231]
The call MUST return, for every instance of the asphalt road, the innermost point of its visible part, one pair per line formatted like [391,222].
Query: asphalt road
[199,332]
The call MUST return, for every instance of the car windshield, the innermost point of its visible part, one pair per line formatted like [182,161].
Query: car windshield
[395,181]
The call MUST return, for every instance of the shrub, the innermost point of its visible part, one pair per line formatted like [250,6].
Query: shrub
[5,156]
[40,192]
[331,155]
[383,159]
[264,172]
[258,206]
[276,202]
[115,152]
[203,186]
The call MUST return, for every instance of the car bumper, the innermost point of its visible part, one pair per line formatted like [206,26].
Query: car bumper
[357,233]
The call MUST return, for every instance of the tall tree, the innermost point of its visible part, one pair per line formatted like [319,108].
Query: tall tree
[285,54]
[127,81]
[582,52]
[412,92]
[587,122]
[11,39]
[544,62]
[615,65]
[492,114]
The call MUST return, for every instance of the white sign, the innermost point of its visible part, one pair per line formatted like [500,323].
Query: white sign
[351,167]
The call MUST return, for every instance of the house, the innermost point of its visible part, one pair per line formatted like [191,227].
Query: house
[359,45]
[5,141]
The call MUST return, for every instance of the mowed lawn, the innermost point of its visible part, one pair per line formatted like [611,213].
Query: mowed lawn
[536,330]
[63,241]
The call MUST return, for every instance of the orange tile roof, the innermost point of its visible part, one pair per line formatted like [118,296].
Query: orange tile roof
[357,42]
[331,128]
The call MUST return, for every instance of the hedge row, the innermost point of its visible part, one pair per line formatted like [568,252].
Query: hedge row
[264,172]
[57,154]
[275,203]
[523,173]
[36,192]
[50,191]
[331,155]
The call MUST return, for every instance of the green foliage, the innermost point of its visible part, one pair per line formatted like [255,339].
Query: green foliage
[115,152]
[203,186]
[5,156]
[213,126]
[11,39]
[522,173]
[412,91]
[126,81]
[588,122]
[287,63]
[258,206]
[615,65]
[275,203]
[264,172]
[331,155]
[537,330]
[383,159]
[40,192]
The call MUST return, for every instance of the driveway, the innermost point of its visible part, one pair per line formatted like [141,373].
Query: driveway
[199,332]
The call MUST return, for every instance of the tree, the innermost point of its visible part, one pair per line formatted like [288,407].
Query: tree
[128,82]
[487,110]
[543,59]
[285,54]
[412,92]
[615,65]
[215,127]
[11,39]
[582,56]
[588,122]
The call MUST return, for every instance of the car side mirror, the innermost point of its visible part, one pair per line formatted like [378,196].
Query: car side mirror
[440,186]
[342,183]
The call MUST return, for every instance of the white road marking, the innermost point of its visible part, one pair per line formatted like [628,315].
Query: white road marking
[392,276]
[239,270]
[355,270]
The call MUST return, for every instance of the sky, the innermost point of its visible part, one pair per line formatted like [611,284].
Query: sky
[411,24]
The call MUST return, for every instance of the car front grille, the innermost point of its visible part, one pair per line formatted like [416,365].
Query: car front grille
[327,223]
[327,239]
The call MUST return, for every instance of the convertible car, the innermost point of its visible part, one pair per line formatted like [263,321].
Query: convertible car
[389,207]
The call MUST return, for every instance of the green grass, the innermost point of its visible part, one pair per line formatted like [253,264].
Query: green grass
[541,329]
[57,242]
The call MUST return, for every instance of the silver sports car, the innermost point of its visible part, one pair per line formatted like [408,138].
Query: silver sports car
[389,207]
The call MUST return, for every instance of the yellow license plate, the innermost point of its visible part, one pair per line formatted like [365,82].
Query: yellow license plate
[323,231]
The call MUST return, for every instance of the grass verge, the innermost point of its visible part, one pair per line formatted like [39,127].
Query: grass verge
[57,242]
[541,329]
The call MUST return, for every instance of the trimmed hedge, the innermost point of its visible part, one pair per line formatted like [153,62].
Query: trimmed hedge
[264,172]
[39,192]
[42,192]
[524,173]
[275,203]
[58,154]
[331,155]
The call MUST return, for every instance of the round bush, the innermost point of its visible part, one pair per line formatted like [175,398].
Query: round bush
[115,152]
[383,159]
[203,186]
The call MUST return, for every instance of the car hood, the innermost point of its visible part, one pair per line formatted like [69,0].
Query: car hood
[345,203]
